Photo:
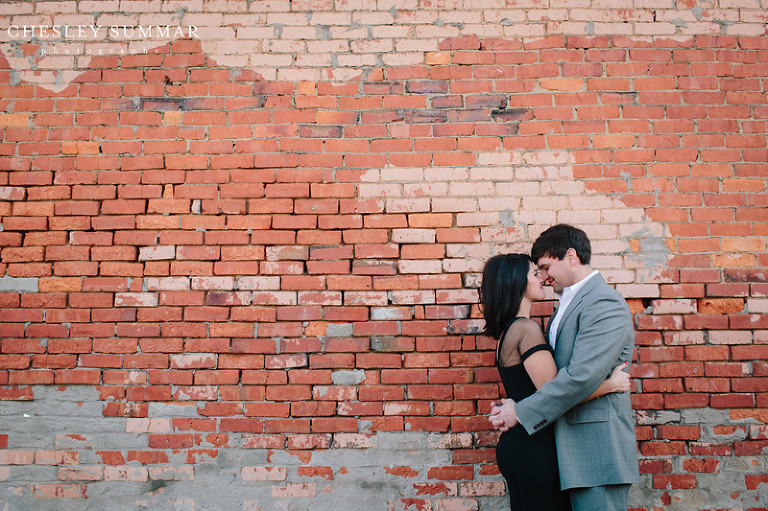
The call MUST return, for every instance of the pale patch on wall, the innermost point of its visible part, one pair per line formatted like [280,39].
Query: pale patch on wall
[513,196]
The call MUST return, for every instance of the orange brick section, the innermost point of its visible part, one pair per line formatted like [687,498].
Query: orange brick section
[246,248]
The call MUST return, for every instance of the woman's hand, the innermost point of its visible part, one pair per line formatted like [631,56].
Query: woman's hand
[503,416]
[619,379]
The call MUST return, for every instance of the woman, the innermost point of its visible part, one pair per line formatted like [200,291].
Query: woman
[525,362]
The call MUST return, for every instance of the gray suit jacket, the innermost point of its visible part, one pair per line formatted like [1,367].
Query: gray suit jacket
[596,443]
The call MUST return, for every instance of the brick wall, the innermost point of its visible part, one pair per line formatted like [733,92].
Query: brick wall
[239,264]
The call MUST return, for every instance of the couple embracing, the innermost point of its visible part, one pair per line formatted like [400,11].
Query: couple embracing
[568,432]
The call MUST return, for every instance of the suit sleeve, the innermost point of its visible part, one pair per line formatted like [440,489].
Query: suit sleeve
[601,342]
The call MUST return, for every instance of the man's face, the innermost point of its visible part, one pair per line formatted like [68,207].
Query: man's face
[557,273]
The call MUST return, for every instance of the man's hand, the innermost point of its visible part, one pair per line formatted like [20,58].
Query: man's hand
[503,416]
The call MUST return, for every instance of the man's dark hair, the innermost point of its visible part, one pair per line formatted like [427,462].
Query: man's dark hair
[555,242]
[505,279]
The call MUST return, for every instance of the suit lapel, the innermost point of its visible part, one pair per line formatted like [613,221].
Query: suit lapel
[591,284]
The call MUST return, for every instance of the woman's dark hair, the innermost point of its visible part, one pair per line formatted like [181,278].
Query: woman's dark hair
[505,279]
[555,242]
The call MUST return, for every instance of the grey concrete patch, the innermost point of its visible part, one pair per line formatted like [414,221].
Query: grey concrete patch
[19,474]
[348,377]
[653,417]
[339,330]
[380,471]
[19,284]
[166,410]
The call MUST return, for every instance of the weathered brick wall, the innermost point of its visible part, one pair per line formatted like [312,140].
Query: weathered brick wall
[239,264]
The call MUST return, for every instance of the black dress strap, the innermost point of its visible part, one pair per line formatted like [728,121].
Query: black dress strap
[501,339]
[534,349]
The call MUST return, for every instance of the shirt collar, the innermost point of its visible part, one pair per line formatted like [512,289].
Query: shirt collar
[570,291]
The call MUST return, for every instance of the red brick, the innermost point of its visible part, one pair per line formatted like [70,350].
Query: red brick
[655,466]
[674,481]
[686,401]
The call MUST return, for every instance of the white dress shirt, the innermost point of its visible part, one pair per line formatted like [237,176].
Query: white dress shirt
[565,299]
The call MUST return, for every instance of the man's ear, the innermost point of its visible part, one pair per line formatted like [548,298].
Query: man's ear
[572,256]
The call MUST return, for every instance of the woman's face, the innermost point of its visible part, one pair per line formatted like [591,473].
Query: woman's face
[535,290]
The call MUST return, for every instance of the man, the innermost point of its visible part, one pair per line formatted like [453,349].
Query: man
[591,332]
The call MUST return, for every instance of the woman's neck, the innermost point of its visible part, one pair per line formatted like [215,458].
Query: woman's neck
[525,308]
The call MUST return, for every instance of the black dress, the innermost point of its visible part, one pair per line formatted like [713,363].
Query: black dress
[528,463]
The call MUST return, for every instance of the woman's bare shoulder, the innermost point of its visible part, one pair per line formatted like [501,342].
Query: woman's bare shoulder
[528,327]
[527,324]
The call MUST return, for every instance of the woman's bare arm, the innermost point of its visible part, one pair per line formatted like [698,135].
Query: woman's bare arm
[617,382]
